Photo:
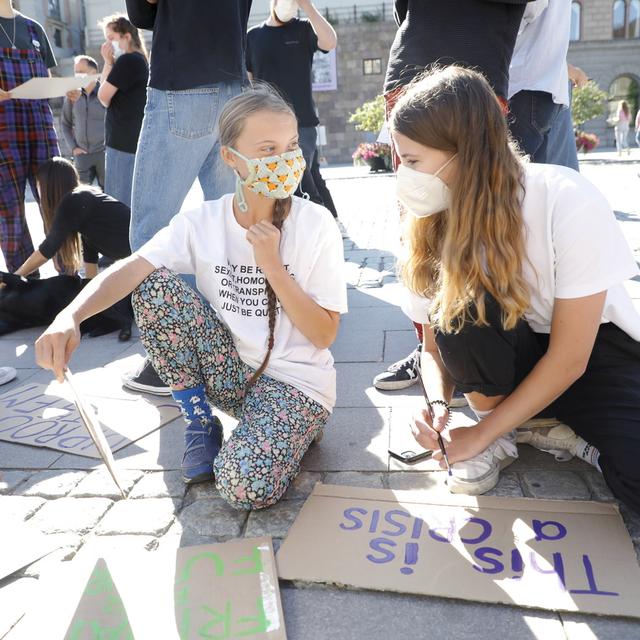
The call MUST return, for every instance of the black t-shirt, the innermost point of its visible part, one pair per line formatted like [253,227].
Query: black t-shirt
[474,33]
[283,57]
[196,43]
[102,221]
[24,39]
[130,74]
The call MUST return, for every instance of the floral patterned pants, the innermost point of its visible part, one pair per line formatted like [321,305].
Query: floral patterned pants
[190,346]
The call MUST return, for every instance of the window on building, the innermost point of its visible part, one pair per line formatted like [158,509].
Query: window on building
[619,19]
[576,11]
[57,38]
[623,88]
[371,66]
[633,19]
[54,9]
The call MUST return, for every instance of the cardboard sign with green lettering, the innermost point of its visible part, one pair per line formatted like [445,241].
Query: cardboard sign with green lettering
[219,591]
[559,555]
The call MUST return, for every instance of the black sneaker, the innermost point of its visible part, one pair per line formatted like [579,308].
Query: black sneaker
[147,380]
[401,374]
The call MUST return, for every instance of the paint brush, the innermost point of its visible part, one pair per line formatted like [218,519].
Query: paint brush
[432,416]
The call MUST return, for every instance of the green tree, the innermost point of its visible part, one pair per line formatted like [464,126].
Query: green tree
[588,103]
[369,116]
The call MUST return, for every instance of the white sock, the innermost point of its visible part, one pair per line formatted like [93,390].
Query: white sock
[481,414]
[587,452]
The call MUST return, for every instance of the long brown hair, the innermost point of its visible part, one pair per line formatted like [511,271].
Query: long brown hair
[119,23]
[624,105]
[56,178]
[232,120]
[477,246]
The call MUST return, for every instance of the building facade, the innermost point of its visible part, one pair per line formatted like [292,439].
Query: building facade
[605,43]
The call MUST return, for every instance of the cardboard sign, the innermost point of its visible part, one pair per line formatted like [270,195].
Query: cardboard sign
[559,555]
[46,416]
[44,88]
[220,591]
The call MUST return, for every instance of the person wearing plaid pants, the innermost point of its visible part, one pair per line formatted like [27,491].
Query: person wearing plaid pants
[27,139]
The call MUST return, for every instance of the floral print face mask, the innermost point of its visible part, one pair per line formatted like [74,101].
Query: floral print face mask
[274,176]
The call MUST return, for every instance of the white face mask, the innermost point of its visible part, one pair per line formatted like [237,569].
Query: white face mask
[117,49]
[423,194]
[286,10]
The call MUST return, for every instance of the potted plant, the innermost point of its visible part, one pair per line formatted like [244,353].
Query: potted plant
[586,142]
[376,154]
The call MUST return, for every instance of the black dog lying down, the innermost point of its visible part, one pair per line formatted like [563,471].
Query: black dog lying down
[33,303]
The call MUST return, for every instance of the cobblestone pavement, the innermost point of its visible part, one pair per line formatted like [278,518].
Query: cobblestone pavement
[69,497]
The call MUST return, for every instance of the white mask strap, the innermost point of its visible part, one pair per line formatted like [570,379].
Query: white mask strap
[446,164]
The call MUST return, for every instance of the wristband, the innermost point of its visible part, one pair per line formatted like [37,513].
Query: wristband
[446,406]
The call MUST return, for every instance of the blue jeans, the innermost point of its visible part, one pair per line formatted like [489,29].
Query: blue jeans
[178,143]
[531,115]
[118,174]
[561,145]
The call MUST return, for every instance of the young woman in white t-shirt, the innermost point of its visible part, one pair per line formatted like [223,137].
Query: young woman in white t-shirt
[516,273]
[270,266]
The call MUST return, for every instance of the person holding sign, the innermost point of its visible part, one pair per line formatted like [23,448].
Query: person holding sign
[269,265]
[516,273]
[27,136]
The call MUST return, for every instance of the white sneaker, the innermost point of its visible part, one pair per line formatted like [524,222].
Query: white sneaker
[480,474]
[7,374]
[558,440]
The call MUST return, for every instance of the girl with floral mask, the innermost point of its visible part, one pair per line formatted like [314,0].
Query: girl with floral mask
[269,265]
[516,273]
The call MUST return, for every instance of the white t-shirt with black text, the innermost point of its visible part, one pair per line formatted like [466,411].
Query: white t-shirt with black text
[574,248]
[209,242]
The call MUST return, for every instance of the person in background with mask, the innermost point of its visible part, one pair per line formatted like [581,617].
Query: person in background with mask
[123,91]
[27,136]
[256,345]
[83,124]
[280,51]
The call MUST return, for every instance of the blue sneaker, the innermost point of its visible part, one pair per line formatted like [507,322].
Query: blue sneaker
[202,444]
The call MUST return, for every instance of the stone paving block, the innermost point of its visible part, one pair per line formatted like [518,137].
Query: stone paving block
[160,484]
[509,486]
[201,491]
[555,485]
[358,346]
[355,388]
[274,521]
[355,479]
[354,440]
[22,456]
[302,485]
[100,484]
[24,376]
[11,480]
[399,344]
[69,544]
[430,482]
[530,458]
[18,354]
[212,520]
[14,599]
[16,509]
[582,627]
[355,615]
[388,295]
[151,516]
[95,352]
[598,487]
[96,546]
[51,484]
[64,515]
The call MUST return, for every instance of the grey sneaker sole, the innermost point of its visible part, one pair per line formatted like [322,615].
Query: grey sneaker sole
[394,385]
[479,485]
[136,386]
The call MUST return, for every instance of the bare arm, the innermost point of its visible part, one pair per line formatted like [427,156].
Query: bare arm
[327,38]
[106,90]
[55,346]
[574,328]
[33,262]
[90,270]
